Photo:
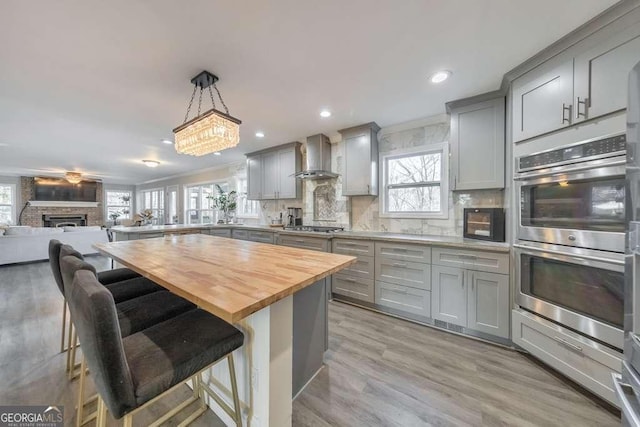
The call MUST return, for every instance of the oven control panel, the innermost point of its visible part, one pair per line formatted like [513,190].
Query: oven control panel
[574,153]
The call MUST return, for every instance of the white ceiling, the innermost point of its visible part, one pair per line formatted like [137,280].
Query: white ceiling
[94,86]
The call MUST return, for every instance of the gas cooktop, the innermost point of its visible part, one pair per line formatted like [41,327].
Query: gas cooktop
[313,228]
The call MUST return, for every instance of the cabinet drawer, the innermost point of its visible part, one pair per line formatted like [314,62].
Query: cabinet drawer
[364,267]
[353,247]
[414,274]
[491,262]
[149,235]
[568,352]
[220,233]
[353,287]
[240,234]
[405,252]
[405,298]
[261,236]
[314,243]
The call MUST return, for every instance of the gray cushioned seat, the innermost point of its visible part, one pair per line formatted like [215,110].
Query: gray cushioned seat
[172,351]
[116,275]
[128,372]
[148,310]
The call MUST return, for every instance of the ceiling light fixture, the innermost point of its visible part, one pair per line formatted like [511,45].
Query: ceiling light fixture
[325,113]
[151,163]
[440,76]
[210,131]
[166,141]
[259,134]
[73,177]
[217,153]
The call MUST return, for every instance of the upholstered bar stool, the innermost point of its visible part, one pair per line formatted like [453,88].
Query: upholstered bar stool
[134,314]
[134,371]
[104,277]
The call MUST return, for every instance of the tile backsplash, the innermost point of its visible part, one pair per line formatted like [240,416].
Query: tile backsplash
[323,203]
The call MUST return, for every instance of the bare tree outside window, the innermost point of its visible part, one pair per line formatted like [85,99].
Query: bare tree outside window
[7,200]
[413,182]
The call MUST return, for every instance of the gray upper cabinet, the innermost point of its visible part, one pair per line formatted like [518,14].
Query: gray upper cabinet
[602,73]
[542,101]
[360,176]
[254,177]
[585,82]
[271,173]
[477,146]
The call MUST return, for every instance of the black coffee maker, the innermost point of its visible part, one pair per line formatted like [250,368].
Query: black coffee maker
[294,217]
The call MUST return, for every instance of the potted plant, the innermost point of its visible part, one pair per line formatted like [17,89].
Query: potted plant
[225,202]
[144,217]
[114,217]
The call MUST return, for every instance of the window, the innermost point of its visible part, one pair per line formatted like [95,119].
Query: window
[154,201]
[118,203]
[7,203]
[415,182]
[246,208]
[199,207]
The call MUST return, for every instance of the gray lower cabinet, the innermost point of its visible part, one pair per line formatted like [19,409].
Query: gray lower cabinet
[304,242]
[472,299]
[220,233]
[403,298]
[353,287]
[406,273]
[585,362]
[478,145]
[261,236]
[240,234]
[449,295]
[364,268]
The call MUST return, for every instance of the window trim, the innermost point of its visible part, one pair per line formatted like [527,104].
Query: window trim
[443,148]
[14,201]
[247,216]
[107,205]
[140,204]
[186,209]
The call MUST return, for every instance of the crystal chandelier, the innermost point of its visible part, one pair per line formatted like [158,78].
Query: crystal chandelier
[73,177]
[211,131]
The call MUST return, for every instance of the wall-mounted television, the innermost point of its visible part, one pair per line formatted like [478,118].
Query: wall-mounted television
[61,190]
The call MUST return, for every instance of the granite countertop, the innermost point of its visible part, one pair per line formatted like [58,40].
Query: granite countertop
[450,241]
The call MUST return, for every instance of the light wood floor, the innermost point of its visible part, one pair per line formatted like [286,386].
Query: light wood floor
[380,371]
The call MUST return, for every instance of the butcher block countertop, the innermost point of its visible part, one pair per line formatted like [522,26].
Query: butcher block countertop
[229,278]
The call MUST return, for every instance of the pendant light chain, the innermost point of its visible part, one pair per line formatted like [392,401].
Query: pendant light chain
[186,116]
[200,102]
[213,101]
[221,100]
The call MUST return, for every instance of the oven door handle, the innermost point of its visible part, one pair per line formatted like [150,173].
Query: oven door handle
[563,170]
[564,254]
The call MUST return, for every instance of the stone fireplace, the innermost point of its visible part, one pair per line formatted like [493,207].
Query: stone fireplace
[35,215]
[60,220]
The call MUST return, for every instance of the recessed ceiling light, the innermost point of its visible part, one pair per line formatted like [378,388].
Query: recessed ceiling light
[260,134]
[217,153]
[166,141]
[325,113]
[440,76]
[151,163]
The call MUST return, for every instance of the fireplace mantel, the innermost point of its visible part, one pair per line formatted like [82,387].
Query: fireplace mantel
[54,204]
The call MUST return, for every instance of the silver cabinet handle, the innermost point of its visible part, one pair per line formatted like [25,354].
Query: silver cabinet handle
[568,344]
[462,278]
[400,290]
[473,279]
[399,264]
[630,413]
[300,241]
[455,182]
[584,103]
[349,280]
[566,108]
[399,249]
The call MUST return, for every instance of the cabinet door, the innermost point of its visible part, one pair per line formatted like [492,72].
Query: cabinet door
[489,303]
[602,74]
[286,170]
[270,175]
[477,146]
[357,169]
[449,295]
[542,101]
[254,177]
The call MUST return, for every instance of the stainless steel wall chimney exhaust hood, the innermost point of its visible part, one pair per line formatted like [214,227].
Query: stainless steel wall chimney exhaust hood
[317,164]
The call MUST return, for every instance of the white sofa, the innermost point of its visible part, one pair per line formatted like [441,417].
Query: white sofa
[23,244]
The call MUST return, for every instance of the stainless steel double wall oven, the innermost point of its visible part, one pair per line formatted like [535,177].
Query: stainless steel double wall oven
[571,236]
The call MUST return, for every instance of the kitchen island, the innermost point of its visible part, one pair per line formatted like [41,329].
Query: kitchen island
[253,286]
